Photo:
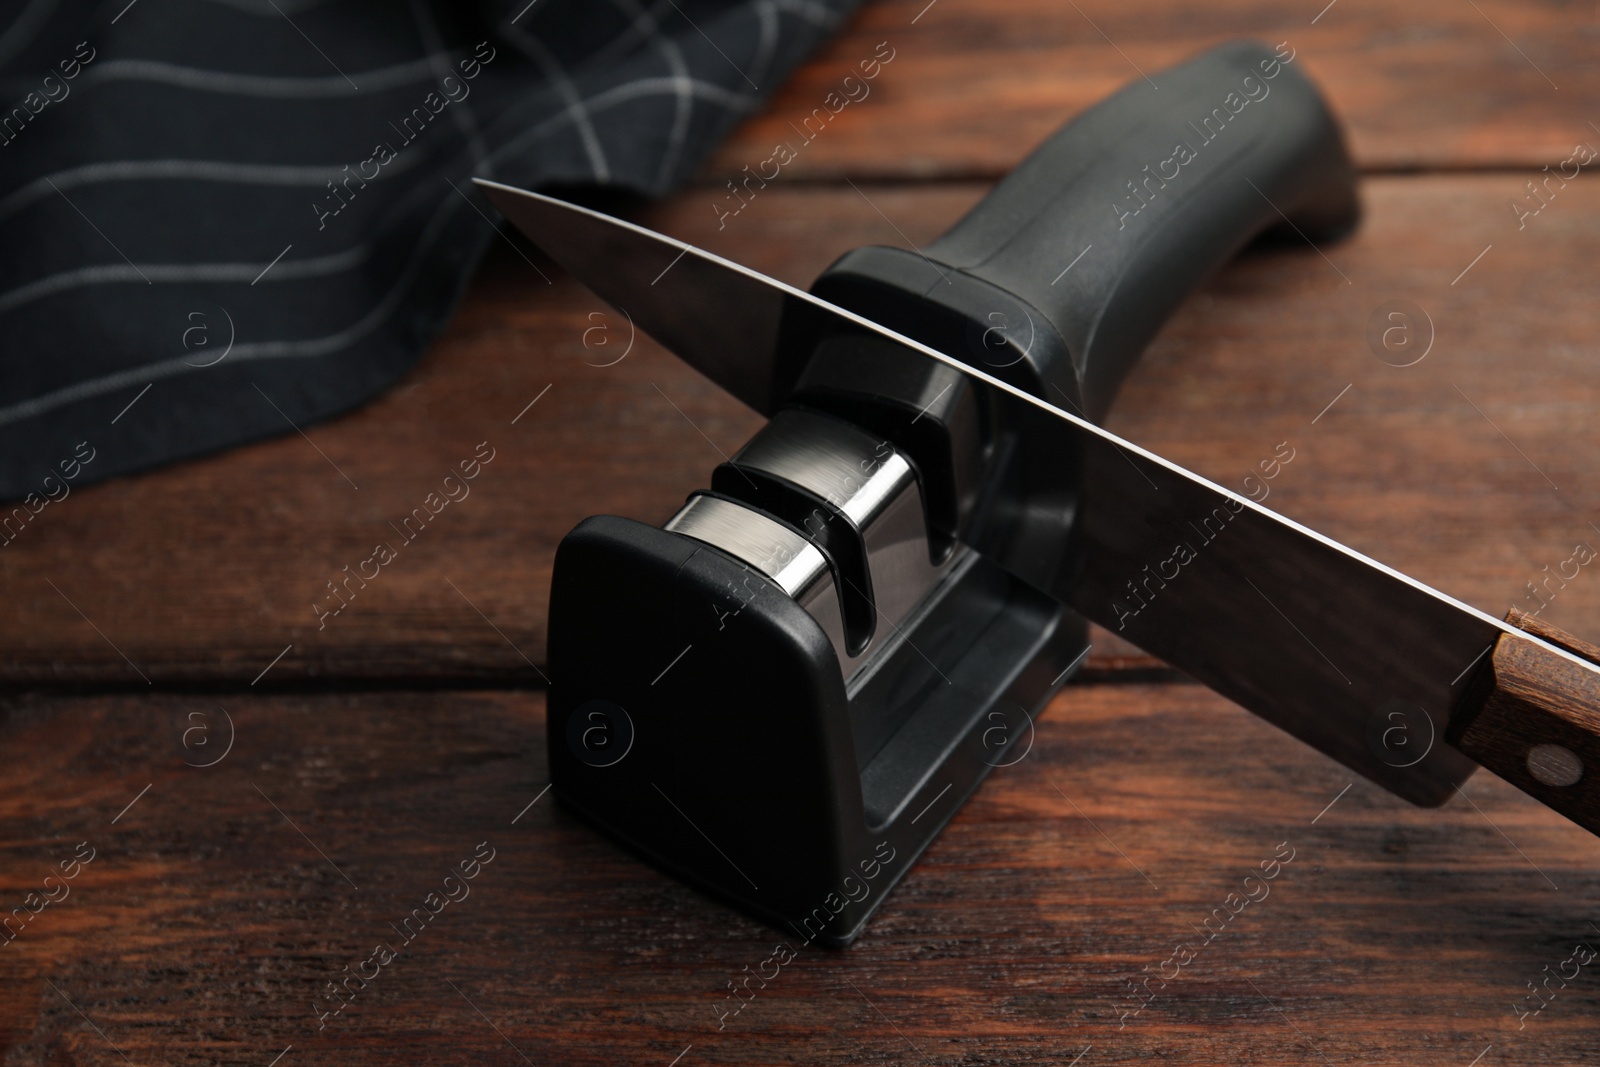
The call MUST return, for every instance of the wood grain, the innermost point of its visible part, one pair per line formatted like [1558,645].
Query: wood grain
[204,572]
[222,899]
[975,84]
[207,924]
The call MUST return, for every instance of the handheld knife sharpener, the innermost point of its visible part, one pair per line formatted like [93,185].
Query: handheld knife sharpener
[786,691]
[783,693]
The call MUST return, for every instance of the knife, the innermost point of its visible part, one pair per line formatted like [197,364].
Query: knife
[782,694]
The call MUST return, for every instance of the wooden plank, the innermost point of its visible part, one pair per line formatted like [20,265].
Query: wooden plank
[973,85]
[206,571]
[216,907]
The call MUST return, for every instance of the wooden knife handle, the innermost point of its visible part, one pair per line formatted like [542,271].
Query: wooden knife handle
[1532,716]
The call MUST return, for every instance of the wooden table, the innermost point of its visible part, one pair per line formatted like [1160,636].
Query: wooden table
[262,799]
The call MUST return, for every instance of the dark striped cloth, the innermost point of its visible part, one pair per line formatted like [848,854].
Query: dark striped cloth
[287,182]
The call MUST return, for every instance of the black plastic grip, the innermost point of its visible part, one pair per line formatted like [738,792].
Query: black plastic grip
[1059,277]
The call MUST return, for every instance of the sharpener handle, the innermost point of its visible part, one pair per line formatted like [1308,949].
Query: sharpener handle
[1065,271]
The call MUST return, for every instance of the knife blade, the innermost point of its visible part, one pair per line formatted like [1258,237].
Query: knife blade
[1305,632]
[1330,645]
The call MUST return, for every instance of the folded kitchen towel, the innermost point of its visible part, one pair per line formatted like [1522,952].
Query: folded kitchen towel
[288,182]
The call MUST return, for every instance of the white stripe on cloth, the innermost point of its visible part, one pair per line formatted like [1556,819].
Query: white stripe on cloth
[246,353]
[260,86]
[169,273]
[535,50]
[311,175]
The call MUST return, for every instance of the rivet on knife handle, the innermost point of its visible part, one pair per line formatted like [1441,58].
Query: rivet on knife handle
[1533,718]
